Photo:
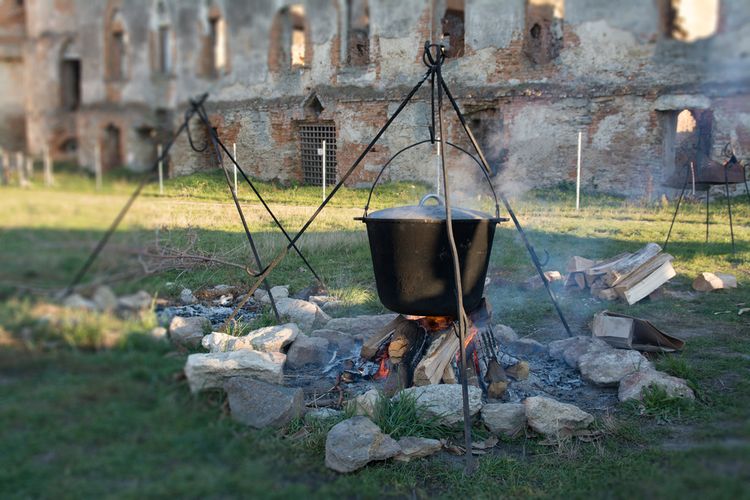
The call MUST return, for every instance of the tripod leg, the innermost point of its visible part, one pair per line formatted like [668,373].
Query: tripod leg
[729,208]
[708,202]
[677,209]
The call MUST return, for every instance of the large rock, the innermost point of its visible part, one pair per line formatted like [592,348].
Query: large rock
[632,386]
[608,367]
[504,334]
[267,339]
[361,327]
[104,298]
[260,404]
[308,352]
[138,301]
[307,315]
[353,443]
[211,370]
[417,447]
[445,401]
[188,332]
[553,418]
[571,349]
[506,419]
[526,347]
[278,292]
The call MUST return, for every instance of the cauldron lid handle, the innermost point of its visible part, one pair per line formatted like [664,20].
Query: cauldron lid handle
[432,196]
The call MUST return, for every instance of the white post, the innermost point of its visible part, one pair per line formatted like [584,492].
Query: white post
[578,174]
[49,179]
[161,170]
[98,165]
[29,169]
[438,165]
[234,164]
[324,170]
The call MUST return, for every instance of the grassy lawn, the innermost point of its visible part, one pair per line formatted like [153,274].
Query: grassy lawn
[81,422]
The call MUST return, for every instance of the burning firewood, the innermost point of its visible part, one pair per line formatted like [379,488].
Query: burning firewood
[440,353]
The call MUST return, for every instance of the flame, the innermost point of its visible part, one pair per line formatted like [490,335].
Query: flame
[435,323]
[384,370]
[473,330]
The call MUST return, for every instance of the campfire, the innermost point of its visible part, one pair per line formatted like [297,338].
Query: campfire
[422,350]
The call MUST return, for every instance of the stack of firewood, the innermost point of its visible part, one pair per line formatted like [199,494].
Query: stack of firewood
[628,276]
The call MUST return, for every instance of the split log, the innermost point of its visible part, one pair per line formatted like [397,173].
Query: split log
[633,294]
[708,282]
[605,265]
[623,268]
[578,264]
[371,347]
[643,272]
[449,375]
[404,337]
[440,353]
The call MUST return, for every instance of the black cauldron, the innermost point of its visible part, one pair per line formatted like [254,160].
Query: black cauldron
[412,260]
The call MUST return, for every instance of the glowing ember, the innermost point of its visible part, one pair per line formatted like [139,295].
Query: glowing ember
[435,323]
[383,371]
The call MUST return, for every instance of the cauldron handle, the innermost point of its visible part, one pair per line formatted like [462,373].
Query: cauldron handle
[487,177]
[432,196]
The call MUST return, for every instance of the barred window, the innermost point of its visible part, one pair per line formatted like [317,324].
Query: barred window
[311,142]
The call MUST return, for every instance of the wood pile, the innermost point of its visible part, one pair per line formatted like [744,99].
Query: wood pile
[627,276]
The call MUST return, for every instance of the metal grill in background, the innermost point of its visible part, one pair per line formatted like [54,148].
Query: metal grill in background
[311,140]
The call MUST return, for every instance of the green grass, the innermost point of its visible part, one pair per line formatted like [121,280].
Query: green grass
[80,421]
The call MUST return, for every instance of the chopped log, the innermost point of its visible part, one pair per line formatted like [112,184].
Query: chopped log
[633,294]
[577,264]
[708,282]
[615,330]
[432,365]
[605,294]
[642,272]
[553,276]
[372,345]
[518,371]
[404,337]
[449,374]
[626,266]
[576,279]
[497,381]
[580,280]
[592,280]
[605,265]
[398,378]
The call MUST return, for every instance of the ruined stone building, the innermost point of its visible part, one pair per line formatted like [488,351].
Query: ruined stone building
[651,84]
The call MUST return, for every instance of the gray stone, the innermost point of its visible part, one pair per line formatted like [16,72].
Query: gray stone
[159,333]
[104,298]
[188,332]
[571,349]
[260,404]
[187,297]
[278,292]
[361,327]
[417,447]
[305,314]
[504,334]
[322,414]
[308,351]
[353,443]
[632,386]
[211,370]
[338,340]
[506,419]
[268,339]
[608,367]
[526,347]
[322,300]
[76,301]
[365,404]
[553,418]
[445,401]
[138,301]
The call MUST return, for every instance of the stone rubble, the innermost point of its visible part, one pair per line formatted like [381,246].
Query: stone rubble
[308,352]
[104,298]
[260,404]
[365,404]
[278,292]
[138,301]
[211,370]
[355,442]
[268,339]
[571,349]
[417,447]
[361,327]
[306,315]
[187,297]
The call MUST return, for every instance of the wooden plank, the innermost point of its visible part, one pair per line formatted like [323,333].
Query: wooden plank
[653,281]
[605,265]
[642,272]
[626,266]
